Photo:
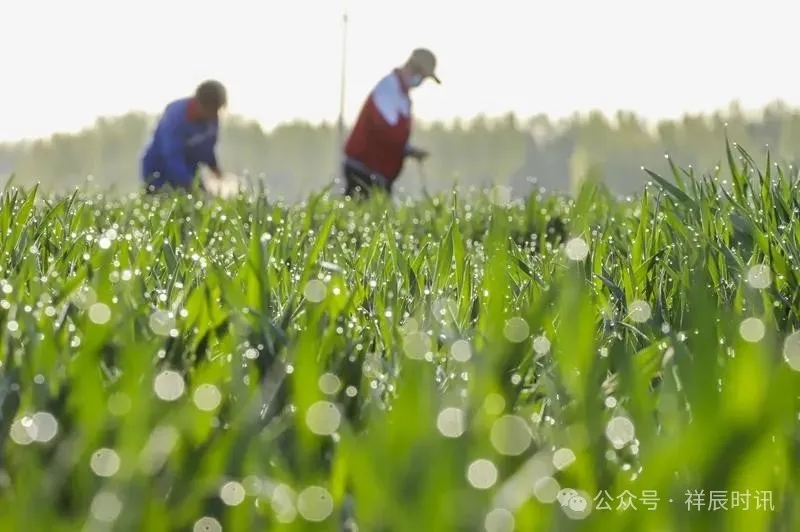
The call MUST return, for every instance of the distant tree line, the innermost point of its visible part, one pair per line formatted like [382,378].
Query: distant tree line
[297,158]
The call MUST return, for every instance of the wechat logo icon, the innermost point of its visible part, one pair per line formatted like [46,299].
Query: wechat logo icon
[576,504]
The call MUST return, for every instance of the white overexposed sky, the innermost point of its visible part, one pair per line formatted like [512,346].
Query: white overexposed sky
[62,64]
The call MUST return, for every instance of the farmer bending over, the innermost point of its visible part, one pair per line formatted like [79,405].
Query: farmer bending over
[185,137]
[376,149]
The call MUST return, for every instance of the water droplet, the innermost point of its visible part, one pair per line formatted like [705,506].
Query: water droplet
[282,502]
[207,524]
[577,249]
[546,489]
[46,426]
[84,297]
[105,462]
[254,486]
[329,383]
[207,397]
[315,291]
[169,385]
[451,422]
[752,330]
[162,322]
[119,404]
[791,350]
[620,431]
[639,311]
[563,458]
[494,404]
[759,276]
[461,351]
[482,474]
[417,345]
[314,504]
[510,435]
[23,431]
[99,313]
[516,330]
[106,507]
[499,520]
[541,345]
[323,418]
[232,493]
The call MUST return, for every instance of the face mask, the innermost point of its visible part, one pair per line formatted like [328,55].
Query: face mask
[415,81]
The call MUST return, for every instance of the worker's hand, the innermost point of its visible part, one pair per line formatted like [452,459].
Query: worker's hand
[418,154]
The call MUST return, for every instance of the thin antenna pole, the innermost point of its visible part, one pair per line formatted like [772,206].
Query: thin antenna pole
[343,82]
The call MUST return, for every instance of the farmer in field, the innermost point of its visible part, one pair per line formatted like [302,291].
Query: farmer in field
[185,137]
[377,147]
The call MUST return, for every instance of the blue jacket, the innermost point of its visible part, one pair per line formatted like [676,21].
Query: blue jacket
[178,146]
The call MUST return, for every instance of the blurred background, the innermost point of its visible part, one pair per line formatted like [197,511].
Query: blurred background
[534,94]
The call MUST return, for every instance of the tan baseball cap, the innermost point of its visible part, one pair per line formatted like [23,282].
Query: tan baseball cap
[424,61]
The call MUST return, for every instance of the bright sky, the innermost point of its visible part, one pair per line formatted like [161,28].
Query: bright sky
[65,63]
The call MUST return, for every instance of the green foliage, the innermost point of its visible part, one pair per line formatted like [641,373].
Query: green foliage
[177,364]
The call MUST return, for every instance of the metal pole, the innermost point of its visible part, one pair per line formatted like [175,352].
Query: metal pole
[342,86]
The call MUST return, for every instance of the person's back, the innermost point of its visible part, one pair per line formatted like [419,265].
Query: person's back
[185,137]
[381,131]
[377,146]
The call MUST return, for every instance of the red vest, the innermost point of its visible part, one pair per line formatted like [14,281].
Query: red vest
[379,137]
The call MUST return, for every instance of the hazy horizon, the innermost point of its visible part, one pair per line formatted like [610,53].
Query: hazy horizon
[282,62]
[447,121]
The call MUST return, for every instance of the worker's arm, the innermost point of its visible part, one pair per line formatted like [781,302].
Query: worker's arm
[172,144]
[209,157]
[415,153]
